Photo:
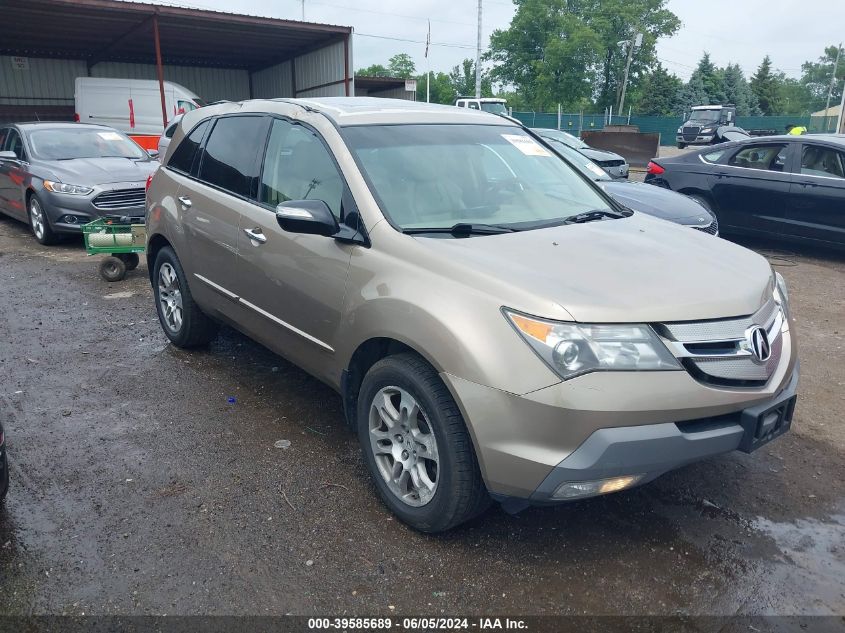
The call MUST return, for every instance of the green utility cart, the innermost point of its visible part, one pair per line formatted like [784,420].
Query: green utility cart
[123,242]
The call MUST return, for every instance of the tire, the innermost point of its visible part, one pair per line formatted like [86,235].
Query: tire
[4,481]
[39,223]
[182,320]
[112,269]
[130,259]
[681,145]
[444,452]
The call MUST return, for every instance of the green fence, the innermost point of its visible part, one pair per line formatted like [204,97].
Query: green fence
[666,126]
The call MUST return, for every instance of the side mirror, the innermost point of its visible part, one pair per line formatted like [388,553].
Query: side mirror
[153,153]
[307,216]
[8,156]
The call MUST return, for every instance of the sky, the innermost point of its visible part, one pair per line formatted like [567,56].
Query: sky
[732,31]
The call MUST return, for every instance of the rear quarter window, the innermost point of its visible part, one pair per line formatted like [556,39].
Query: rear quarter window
[184,155]
[714,157]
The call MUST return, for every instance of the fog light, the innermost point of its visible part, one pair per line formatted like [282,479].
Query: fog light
[578,489]
[69,219]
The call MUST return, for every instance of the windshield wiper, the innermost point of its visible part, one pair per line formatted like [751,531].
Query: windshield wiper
[596,214]
[462,229]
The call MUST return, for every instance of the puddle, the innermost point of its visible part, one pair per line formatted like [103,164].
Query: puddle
[810,577]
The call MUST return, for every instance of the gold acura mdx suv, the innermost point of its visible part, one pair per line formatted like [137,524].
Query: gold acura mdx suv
[496,326]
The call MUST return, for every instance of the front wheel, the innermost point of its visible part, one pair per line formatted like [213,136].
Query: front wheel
[40,223]
[181,319]
[681,145]
[417,447]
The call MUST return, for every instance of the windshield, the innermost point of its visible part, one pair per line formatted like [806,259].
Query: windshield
[495,107]
[84,142]
[563,137]
[705,116]
[584,164]
[436,176]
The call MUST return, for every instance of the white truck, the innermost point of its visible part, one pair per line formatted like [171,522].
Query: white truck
[488,104]
[132,106]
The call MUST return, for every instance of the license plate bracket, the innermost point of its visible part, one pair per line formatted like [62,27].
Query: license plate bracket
[763,424]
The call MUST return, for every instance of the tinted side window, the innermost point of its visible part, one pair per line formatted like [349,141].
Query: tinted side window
[3,134]
[767,157]
[298,167]
[822,161]
[231,154]
[183,157]
[15,144]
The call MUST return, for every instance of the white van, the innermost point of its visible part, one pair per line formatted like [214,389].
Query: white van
[488,104]
[132,106]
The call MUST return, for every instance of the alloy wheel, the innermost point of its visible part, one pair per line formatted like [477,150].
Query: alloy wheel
[404,446]
[170,297]
[36,218]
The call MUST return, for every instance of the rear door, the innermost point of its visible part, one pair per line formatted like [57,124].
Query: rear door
[751,187]
[817,196]
[294,283]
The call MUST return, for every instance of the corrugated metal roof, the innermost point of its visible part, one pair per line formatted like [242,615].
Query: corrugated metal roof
[115,30]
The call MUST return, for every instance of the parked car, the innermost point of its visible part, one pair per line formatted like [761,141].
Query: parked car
[485,104]
[660,203]
[495,324]
[790,187]
[58,176]
[615,165]
[4,466]
[164,139]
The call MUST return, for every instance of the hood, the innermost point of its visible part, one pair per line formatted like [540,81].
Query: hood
[91,172]
[631,270]
[600,154]
[659,202]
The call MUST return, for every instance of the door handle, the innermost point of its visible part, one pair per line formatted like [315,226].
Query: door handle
[256,235]
[186,202]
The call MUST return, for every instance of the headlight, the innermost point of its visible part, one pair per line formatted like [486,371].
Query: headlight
[572,349]
[707,130]
[680,130]
[60,187]
[781,294]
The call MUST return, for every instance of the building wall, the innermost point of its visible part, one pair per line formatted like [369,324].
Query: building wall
[211,84]
[273,82]
[320,67]
[44,82]
[393,93]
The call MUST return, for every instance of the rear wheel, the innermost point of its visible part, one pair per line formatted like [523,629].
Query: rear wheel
[130,259]
[417,447]
[181,319]
[40,223]
[112,269]
[681,145]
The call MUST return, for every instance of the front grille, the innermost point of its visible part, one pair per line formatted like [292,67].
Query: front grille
[611,163]
[712,228]
[715,352]
[691,133]
[120,199]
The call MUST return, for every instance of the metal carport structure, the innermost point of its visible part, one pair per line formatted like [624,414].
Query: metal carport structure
[46,44]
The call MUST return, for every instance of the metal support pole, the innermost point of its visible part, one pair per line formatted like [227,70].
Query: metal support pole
[631,45]
[830,88]
[346,64]
[558,117]
[840,122]
[160,69]
[478,56]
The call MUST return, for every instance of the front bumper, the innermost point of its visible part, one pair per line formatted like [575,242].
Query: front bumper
[60,208]
[701,139]
[607,423]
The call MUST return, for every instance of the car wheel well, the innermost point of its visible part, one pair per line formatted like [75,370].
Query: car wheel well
[154,245]
[368,354]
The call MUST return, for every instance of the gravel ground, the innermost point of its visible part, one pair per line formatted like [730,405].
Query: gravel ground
[138,489]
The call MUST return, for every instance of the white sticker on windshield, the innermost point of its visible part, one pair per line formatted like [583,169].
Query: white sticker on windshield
[109,136]
[526,145]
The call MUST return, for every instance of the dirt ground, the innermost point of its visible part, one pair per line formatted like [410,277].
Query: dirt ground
[137,488]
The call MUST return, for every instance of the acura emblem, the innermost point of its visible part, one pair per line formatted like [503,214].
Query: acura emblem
[758,342]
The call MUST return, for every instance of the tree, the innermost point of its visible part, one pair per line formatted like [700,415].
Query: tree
[375,70]
[441,89]
[660,94]
[816,78]
[462,78]
[712,81]
[767,88]
[694,93]
[737,91]
[401,65]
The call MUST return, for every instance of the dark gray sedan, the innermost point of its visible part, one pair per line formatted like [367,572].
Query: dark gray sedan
[58,176]
[615,165]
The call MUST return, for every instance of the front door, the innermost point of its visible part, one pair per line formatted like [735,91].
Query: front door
[294,283]
[13,174]
[817,195]
[751,188]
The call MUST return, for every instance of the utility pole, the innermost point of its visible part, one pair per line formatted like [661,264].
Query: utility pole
[830,88]
[303,10]
[636,40]
[478,56]
[428,65]
[841,119]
